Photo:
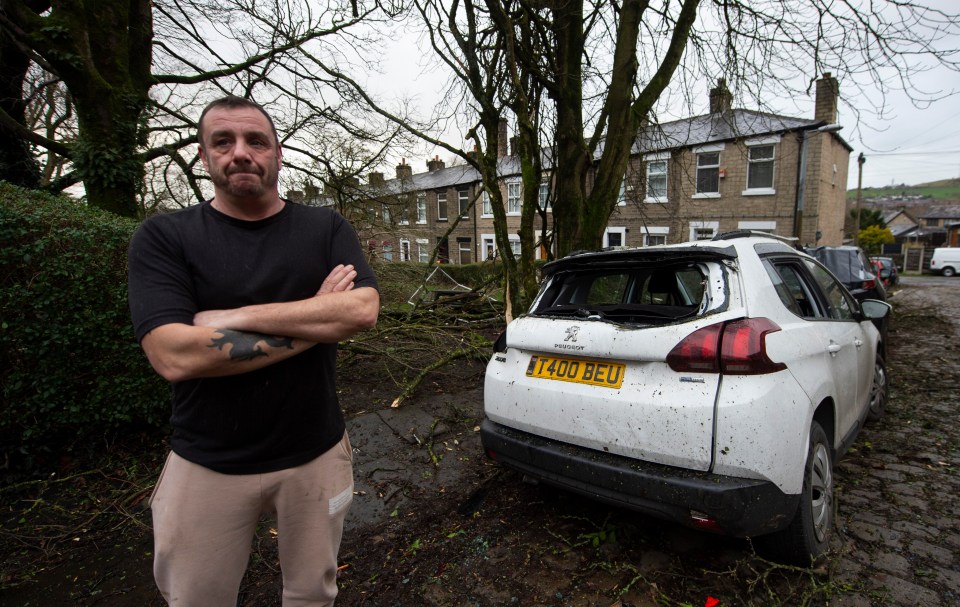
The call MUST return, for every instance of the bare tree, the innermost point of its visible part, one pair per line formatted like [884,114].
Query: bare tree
[137,73]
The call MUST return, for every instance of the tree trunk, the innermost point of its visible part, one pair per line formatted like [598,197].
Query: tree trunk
[17,164]
[102,52]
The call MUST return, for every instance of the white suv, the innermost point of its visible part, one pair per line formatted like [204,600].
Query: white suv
[711,383]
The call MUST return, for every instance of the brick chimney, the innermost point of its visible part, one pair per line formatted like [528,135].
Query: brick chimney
[502,140]
[404,170]
[828,90]
[514,146]
[294,196]
[375,179]
[435,165]
[720,97]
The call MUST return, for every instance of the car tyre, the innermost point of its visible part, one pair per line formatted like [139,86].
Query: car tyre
[879,390]
[808,535]
[948,271]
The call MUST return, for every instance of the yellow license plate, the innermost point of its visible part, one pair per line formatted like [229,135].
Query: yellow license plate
[578,371]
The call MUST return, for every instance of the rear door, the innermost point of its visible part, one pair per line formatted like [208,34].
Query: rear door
[834,338]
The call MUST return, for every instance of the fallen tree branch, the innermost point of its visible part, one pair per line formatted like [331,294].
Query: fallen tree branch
[412,385]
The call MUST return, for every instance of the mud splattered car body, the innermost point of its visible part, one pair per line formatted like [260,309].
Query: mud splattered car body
[712,383]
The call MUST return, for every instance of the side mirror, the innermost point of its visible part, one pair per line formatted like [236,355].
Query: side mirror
[874,309]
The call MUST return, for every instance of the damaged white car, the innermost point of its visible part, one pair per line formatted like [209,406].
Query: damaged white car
[711,383]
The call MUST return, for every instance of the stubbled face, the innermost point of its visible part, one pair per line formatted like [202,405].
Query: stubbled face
[240,153]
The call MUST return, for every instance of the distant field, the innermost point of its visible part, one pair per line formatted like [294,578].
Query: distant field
[948,189]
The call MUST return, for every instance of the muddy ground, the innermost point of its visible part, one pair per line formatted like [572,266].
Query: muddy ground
[435,523]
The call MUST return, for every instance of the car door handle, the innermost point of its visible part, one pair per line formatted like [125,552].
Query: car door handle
[833,348]
[858,343]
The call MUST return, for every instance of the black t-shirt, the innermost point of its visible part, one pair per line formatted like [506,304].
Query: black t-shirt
[282,415]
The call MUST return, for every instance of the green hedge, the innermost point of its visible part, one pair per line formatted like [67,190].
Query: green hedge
[71,371]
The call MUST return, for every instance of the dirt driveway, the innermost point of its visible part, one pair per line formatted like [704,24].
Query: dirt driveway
[461,531]
[434,523]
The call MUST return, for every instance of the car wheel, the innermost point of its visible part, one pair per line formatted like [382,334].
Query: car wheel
[808,535]
[948,272]
[879,390]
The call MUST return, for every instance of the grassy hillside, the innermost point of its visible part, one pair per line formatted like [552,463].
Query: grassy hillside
[943,190]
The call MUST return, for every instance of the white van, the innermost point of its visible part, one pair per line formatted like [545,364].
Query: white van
[946,260]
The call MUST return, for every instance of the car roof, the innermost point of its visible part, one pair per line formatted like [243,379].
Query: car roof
[719,248]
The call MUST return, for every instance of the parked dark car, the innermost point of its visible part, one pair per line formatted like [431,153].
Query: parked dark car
[888,271]
[851,266]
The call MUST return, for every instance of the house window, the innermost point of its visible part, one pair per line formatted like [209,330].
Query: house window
[486,210]
[385,213]
[387,251]
[404,212]
[708,173]
[513,198]
[546,201]
[615,237]
[703,230]
[653,236]
[464,251]
[463,197]
[515,245]
[404,250]
[760,167]
[421,207]
[423,250]
[622,194]
[656,181]
[441,206]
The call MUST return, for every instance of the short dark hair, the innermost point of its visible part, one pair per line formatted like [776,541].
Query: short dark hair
[234,102]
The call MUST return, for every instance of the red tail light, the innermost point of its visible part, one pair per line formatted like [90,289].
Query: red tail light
[699,351]
[869,284]
[736,348]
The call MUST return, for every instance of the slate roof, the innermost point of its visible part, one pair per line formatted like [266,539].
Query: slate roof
[948,212]
[687,132]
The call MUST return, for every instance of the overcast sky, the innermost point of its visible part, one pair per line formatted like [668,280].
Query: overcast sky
[906,145]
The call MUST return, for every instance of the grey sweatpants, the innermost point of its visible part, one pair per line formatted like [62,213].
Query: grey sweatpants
[204,521]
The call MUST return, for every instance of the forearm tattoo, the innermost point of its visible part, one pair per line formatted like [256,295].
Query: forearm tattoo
[245,345]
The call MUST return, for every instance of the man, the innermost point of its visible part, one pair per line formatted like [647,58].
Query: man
[240,302]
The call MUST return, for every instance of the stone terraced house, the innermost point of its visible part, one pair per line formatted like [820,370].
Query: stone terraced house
[688,179]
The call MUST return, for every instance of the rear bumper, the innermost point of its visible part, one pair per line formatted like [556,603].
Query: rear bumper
[740,507]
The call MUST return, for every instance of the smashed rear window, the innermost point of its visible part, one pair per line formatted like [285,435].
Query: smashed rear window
[630,295]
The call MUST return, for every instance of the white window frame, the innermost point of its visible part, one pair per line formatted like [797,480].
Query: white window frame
[488,240]
[546,202]
[387,250]
[515,244]
[514,197]
[622,194]
[707,149]
[463,203]
[404,249]
[463,246]
[423,250]
[655,231]
[441,206]
[651,159]
[713,226]
[486,209]
[622,231]
[772,142]
[421,207]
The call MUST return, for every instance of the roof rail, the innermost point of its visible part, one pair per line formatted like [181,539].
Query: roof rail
[790,240]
